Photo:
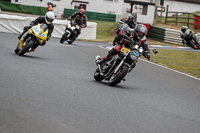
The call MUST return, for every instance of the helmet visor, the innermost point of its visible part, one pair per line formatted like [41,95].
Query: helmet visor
[140,34]
[49,19]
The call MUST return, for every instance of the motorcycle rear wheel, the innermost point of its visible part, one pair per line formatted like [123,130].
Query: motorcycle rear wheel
[64,37]
[26,48]
[115,79]
[193,45]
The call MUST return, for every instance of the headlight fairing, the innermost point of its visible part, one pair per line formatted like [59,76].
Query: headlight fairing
[134,55]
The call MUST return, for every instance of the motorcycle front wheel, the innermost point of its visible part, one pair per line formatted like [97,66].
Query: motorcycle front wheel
[64,37]
[26,48]
[117,77]
[71,41]
[16,50]
[97,76]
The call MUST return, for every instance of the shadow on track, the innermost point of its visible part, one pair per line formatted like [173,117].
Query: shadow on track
[118,86]
[29,56]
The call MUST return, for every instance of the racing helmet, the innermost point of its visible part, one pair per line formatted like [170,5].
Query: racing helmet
[81,12]
[140,31]
[184,28]
[131,19]
[49,17]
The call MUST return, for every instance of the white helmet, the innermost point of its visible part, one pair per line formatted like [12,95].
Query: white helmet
[49,17]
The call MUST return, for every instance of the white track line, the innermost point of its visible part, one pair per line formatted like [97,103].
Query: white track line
[161,66]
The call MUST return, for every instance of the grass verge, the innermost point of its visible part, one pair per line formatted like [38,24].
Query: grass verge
[183,61]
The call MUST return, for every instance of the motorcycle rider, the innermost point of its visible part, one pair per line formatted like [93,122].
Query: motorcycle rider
[80,18]
[184,31]
[131,22]
[138,39]
[47,19]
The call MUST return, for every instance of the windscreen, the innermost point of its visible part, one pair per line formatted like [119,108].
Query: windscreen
[44,27]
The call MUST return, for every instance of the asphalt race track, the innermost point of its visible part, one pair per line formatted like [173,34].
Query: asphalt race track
[53,91]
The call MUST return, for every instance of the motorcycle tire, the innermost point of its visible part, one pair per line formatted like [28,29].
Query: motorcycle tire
[97,76]
[70,42]
[192,44]
[26,48]
[119,76]
[16,51]
[64,37]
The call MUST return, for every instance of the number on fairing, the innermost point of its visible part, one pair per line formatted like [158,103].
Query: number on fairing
[36,30]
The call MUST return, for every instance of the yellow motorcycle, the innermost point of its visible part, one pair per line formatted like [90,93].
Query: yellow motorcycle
[35,36]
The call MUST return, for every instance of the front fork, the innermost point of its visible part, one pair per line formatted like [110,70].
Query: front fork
[22,40]
[99,67]
[69,33]
[120,64]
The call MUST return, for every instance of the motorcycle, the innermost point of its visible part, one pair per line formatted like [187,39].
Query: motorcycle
[116,68]
[71,32]
[36,36]
[124,28]
[190,39]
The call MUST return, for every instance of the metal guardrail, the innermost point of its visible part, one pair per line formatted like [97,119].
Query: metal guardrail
[172,36]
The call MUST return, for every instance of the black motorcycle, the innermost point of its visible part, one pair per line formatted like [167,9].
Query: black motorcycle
[190,39]
[115,69]
[71,32]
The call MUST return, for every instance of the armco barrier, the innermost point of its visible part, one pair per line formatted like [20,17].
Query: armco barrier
[15,24]
[92,15]
[172,36]
[156,33]
[165,35]
[35,10]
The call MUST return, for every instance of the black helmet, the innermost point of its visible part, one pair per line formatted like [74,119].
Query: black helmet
[184,28]
[131,19]
[140,31]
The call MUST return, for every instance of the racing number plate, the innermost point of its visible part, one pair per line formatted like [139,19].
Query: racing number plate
[125,50]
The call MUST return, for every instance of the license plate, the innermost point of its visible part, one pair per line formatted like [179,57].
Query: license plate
[125,50]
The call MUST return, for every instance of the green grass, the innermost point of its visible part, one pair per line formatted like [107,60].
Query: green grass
[183,61]
[105,31]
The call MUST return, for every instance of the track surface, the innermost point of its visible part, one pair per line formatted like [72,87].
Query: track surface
[53,91]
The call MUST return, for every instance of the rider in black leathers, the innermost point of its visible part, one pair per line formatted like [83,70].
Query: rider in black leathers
[47,19]
[79,18]
[131,22]
[187,35]
[138,38]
